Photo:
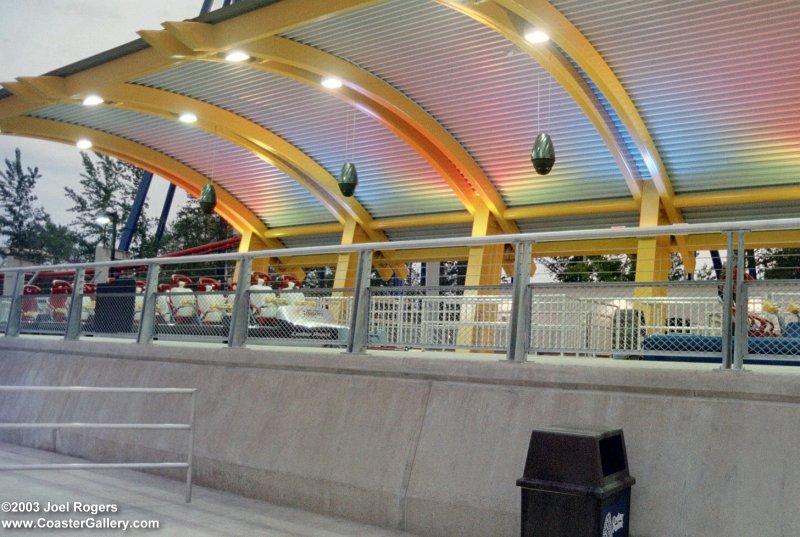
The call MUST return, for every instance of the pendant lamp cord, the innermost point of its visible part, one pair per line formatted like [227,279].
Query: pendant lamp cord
[538,87]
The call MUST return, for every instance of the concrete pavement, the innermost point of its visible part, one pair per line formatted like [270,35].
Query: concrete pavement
[143,497]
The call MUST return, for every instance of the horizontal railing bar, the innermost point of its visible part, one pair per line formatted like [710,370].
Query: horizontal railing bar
[93,466]
[75,425]
[405,289]
[84,389]
[599,285]
[569,235]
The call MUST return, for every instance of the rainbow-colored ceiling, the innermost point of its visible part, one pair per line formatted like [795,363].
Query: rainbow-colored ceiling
[440,104]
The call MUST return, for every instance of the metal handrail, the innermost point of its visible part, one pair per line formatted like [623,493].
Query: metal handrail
[189,427]
[236,330]
[551,236]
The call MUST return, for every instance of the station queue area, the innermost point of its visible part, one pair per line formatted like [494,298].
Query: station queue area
[494,268]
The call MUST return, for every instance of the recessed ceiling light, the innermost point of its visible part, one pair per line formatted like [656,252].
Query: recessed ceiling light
[83,143]
[92,100]
[331,82]
[237,56]
[187,117]
[536,36]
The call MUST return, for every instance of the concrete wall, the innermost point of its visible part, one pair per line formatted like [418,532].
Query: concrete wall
[434,446]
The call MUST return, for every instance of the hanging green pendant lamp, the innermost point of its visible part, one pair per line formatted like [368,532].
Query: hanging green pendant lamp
[208,199]
[348,179]
[543,155]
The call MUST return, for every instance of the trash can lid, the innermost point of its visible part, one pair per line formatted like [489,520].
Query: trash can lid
[583,458]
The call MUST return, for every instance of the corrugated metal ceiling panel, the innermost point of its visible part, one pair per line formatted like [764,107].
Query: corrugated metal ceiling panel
[324,239]
[733,213]
[393,179]
[269,193]
[567,223]
[482,89]
[430,232]
[717,82]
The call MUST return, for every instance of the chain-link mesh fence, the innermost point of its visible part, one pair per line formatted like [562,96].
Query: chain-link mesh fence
[773,319]
[650,297]
[299,316]
[627,319]
[45,307]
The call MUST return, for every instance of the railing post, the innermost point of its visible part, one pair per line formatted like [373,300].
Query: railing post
[147,321]
[15,312]
[240,315]
[358,337]
[73,330]
[190,451]
[727,304]
[519,335]
[741,324]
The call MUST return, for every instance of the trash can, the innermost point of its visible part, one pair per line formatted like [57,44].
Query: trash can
[115,306]
[576,483]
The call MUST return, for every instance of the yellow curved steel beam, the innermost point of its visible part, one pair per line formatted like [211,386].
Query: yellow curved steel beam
[504,16]
[741,196]
[230,208]
[394,110]
[262,142]
[265,144]
[508,25]
[545,16]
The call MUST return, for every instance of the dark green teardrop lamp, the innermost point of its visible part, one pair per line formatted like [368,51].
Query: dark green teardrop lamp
[348,179]
[208,199]
[543,155]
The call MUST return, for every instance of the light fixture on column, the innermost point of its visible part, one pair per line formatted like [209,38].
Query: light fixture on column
[105,218]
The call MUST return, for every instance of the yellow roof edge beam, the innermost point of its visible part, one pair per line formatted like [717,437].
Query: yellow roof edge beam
[231,209]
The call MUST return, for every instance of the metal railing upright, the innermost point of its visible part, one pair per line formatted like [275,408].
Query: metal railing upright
[189,427]
[509,316]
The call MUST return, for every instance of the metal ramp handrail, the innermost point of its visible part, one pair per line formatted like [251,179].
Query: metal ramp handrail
[189,427]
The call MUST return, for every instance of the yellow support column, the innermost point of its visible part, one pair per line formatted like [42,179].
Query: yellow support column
[484,267]
[346,269]
[653,262]
[251,242]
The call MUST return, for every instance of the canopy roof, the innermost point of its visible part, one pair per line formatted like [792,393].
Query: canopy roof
[697,102]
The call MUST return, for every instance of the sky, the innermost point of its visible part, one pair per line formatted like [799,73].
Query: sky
[37,36]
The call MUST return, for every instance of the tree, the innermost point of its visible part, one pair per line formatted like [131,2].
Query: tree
[778,263]
[192,227]
[593,268]
[18,216]
[107,185]
[52,244]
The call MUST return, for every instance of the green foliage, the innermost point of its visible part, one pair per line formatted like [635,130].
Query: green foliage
[53,244]
[192,227]
[107,185]
[778,263]
[593,268]
[18,214]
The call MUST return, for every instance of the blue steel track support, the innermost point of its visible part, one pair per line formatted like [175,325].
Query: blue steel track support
[136,212]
